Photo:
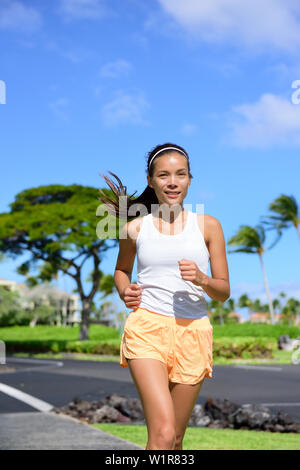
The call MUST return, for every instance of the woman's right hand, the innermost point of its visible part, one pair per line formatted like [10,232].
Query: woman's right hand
[132,295]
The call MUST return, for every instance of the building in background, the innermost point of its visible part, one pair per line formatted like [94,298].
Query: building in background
[239,318]
[264,317]
[66,305]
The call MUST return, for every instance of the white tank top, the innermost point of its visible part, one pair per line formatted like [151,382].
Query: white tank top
[163,289]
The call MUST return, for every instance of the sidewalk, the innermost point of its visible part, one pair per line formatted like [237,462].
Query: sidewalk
[51,431]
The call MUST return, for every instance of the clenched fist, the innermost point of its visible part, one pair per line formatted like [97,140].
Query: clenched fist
[190,272]
[132,295]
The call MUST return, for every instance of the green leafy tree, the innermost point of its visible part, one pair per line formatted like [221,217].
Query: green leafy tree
[56,226]
[106,284]
[245,301]
[10,307]
[106,287]
[43,314]
[228,308]
[276,305]
[258,306]
[291,311]
[251,240]
[220,311]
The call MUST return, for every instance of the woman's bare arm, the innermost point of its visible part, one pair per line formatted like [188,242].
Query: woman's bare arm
[125,261]
[217,286]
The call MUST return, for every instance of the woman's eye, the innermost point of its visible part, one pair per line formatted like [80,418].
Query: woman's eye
[180,174]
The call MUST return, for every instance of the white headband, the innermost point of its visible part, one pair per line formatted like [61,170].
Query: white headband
[166,148]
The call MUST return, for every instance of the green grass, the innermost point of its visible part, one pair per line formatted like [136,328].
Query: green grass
[56,333]
[102,332]
[255,329]
[212,439]
[55,339]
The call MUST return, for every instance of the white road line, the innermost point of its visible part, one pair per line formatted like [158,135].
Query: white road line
[35,361]
[280,404]
[258,367]
[39,365]
[25,397]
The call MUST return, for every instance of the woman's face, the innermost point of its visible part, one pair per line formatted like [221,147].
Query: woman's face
[170,174]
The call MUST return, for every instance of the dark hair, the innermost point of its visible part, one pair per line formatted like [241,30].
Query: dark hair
[147,197]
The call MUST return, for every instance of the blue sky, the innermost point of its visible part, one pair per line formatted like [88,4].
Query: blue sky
[93,85]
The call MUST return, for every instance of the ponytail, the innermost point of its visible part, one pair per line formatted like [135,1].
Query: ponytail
[147,198]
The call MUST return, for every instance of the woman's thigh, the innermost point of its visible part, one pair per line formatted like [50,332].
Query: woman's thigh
[151,380]
[184,398]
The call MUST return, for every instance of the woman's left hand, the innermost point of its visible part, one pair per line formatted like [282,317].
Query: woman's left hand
[190,272]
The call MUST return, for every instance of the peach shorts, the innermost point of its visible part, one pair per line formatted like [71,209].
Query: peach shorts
[184,345]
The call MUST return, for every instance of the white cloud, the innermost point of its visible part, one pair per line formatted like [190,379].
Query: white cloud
[17,17]
[271,23]
[115,69]
[272,120]
[188,129]
[82,9]
[58,107]
[125,108]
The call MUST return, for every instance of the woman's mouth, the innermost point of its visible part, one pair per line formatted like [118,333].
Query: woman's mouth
[172,194]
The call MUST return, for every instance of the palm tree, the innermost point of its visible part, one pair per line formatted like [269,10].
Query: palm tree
[231,304]
[276,305]
[229,308]
[244,301]
[251,240]
[291,311]
[288,215]
[259,307]
[219,310]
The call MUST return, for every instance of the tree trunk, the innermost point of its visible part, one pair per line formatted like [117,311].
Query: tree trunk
[267,290]
[85,316]
[33,321]
[58,319]
[220,316]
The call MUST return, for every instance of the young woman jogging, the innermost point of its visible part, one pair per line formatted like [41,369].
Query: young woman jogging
[167,339]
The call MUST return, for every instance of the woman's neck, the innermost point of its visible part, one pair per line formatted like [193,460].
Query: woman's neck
[169,214]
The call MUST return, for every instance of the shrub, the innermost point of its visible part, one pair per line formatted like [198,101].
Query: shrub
[245,347]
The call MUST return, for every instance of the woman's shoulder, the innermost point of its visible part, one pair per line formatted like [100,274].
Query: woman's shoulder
[207,223]
[208,219]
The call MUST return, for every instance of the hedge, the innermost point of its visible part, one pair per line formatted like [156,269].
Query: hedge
[230,348]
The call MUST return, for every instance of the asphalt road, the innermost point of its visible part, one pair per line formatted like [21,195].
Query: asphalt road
[57,382]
